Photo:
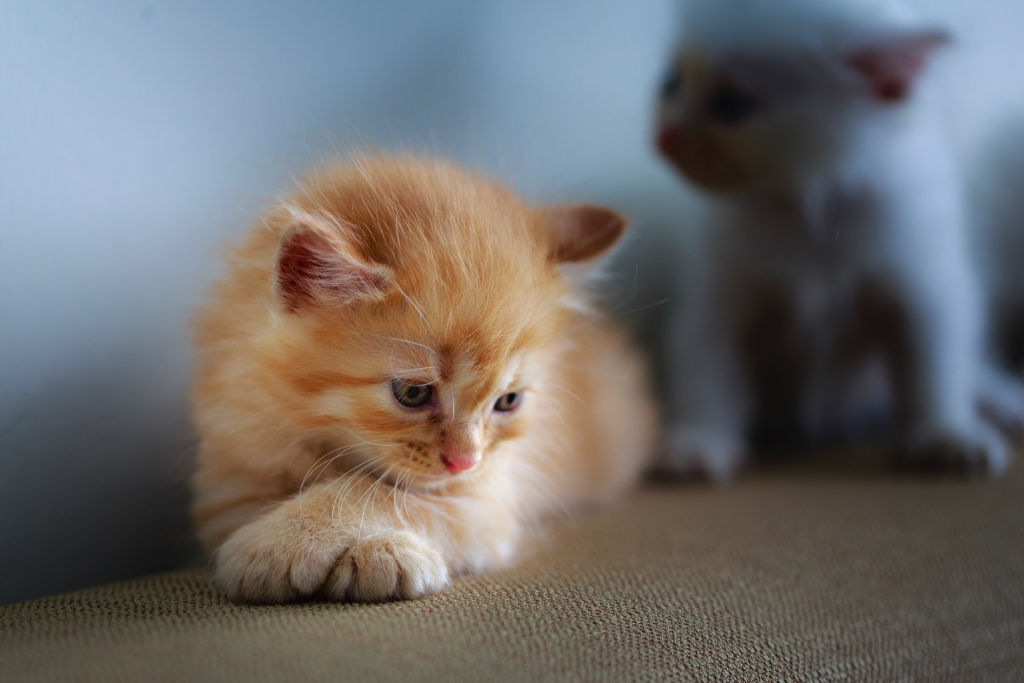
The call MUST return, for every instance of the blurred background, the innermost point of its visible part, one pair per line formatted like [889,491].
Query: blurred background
[138,139]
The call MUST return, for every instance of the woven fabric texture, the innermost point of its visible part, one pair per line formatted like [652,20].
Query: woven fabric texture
[794,573]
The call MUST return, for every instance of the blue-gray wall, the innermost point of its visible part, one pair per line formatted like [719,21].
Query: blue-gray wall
[138,138]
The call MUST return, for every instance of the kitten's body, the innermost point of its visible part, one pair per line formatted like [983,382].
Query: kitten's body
[840,245]
[312,479]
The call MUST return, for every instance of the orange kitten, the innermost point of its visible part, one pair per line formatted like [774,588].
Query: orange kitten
[400,373]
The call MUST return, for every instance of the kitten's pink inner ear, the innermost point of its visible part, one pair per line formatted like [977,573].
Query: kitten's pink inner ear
[583,232]
[312,269]
[892,66]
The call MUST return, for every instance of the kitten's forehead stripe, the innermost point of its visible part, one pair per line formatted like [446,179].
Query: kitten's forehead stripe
[318,382]
[445,364]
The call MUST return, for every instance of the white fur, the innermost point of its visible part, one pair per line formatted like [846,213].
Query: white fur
[883,211]
[729,26]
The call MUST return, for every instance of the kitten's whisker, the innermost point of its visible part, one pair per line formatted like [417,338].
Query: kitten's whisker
[347,480]
[336,453]
[370,495]
[414,343]
[350,480]
[394,495]
[416,307]
[572,394]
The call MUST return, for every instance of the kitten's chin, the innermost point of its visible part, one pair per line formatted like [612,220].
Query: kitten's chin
[433,482]
[426,481]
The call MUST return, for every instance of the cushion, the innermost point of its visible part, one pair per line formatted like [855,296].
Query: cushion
[814,570]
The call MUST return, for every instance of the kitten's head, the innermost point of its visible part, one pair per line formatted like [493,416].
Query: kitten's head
[765,92]
[418,309]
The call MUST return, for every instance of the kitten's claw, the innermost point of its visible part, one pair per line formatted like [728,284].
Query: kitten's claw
[714,455]
[398,565]
[980,451]
[273,560]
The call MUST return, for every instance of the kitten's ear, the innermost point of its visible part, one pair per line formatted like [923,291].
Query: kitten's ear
[579,237]
[892,64]
[581,233]
[318,265]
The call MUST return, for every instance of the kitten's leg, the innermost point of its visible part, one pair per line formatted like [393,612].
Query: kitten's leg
[710,397]
[939,359]
[345,540]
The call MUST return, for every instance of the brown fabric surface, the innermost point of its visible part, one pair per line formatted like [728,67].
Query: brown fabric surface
[805,572]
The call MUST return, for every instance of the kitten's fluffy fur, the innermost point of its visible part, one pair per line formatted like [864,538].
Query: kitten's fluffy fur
[839,242]
[312,479]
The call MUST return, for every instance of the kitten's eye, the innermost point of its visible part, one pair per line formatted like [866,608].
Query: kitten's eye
[508,402]
[731,105]
[411,395]
[671,83]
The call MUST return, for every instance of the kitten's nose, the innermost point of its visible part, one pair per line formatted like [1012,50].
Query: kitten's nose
[457,461]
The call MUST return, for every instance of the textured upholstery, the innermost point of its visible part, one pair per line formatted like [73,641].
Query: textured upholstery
[802,571]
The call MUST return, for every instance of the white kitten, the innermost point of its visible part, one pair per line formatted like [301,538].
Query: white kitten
[835,285]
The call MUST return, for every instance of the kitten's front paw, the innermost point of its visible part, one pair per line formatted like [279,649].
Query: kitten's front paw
[255,564]
[712,454]
[274,559]
[396,565]
[976,451]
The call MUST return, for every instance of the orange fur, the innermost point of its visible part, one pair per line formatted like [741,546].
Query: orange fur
[312,479]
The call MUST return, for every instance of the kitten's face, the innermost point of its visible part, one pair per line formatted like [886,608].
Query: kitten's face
[420,405]
[420,309]
[772,116]
[746,121]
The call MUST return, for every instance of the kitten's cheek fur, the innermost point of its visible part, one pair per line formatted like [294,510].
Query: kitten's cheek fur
[273,560]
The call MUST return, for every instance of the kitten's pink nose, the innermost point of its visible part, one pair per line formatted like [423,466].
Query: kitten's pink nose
[459,462]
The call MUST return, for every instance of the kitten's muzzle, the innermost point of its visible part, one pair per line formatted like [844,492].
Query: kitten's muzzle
[460,447]
[668,143]
[456,462]
[681,151]
[698,159]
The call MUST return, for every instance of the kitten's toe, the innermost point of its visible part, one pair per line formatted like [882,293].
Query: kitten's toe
[694,451]
[393,566]
[979,451]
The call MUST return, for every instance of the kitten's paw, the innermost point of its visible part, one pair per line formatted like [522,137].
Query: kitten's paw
[1000,398]
[254,564]
[979,451]
[396,565]
[274,559]
[715,455]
